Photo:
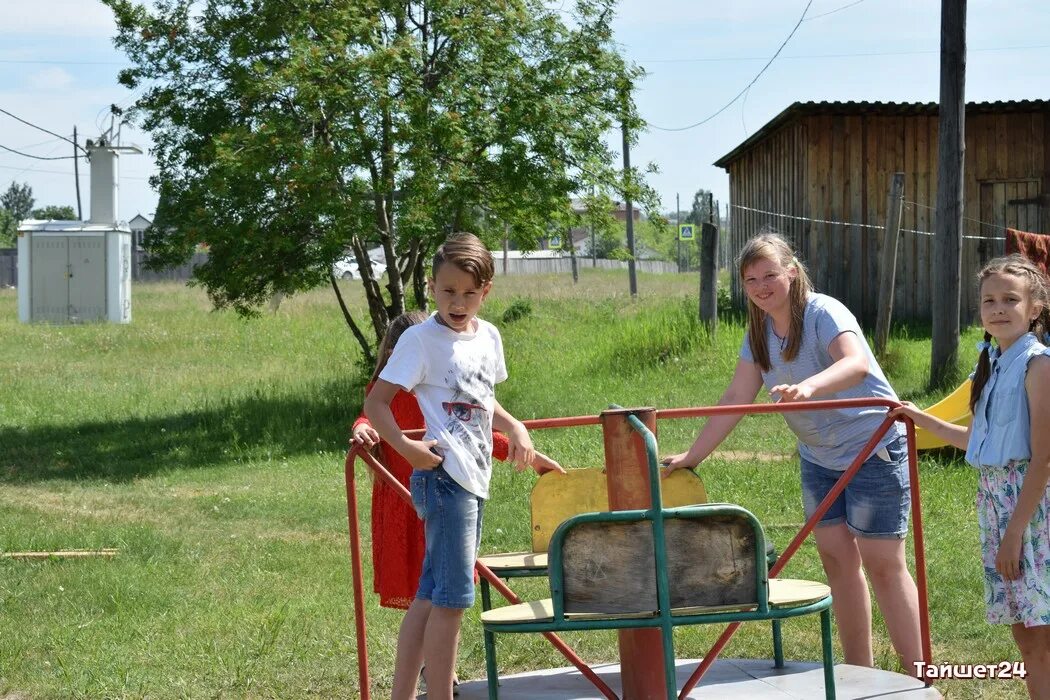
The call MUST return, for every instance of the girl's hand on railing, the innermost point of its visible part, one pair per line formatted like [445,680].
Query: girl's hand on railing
[786,393]
[365,435]
[678,461]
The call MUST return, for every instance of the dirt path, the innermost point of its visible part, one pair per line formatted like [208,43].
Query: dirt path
[745,456]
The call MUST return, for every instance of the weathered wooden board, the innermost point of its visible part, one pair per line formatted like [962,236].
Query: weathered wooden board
[611,567]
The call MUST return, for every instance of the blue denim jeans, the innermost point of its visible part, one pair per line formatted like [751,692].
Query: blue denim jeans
[452,522]
[877,499]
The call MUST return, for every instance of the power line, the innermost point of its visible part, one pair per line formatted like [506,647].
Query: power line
[856,225]
[748,87]
[59,172]
[30,155]
[861,54]
[838,9]
[40,143]
[46,131]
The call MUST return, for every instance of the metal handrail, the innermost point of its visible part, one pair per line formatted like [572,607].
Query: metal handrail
[358,451]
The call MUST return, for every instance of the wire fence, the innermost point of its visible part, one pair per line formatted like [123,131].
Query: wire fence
[854,224]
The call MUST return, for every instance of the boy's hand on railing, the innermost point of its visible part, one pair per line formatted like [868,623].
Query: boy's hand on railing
[421,453]
[543,464]
[365,435]
[521,452]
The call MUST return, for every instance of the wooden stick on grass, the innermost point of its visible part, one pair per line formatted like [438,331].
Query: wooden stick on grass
[64,554]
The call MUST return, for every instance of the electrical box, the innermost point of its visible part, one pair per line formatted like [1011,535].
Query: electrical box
[74,272]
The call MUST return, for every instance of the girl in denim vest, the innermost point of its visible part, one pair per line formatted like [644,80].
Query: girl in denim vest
[1009,444]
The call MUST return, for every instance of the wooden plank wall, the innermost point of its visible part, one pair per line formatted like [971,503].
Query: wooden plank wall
[838,168]
[769,177]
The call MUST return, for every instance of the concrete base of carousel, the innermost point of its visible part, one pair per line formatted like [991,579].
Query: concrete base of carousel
[727,679]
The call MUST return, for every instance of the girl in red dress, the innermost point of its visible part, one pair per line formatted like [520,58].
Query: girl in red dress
[397,532]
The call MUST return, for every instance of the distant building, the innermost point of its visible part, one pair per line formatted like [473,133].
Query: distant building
[138,227]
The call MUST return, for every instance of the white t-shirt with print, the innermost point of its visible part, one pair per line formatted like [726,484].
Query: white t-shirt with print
[453,376]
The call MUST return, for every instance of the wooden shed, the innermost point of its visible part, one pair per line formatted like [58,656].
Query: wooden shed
[820,172]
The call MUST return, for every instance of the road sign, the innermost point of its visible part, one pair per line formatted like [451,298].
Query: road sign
[686,232]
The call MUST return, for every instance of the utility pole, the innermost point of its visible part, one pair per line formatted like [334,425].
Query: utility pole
[590,219]
[708,296]
[947,242]
[677,230]
[572,255]
[76,172]
[506,245]
[627,181]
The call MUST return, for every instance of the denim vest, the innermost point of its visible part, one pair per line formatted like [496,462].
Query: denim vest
[1002,427]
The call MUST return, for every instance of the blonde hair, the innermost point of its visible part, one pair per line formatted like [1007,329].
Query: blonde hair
[394,329]
[467,252]
[1039,291]
[773,247]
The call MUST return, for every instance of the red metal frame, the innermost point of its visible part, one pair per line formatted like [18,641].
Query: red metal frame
[358,576]
[699,412]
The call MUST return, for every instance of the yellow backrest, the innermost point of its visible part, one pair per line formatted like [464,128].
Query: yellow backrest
[557,497]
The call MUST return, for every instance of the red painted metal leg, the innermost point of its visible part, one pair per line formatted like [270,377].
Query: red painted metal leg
[920,546]
[358,576]
[627,472]
[554,639]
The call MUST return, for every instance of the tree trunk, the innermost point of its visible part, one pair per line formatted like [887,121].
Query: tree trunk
[366,347]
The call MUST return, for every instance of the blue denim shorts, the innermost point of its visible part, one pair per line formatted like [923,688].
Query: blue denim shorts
[877,499]
[452,522]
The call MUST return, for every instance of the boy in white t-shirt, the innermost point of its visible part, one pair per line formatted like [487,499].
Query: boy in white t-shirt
[451,362]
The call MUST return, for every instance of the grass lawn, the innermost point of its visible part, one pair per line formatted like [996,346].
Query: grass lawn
[209,451]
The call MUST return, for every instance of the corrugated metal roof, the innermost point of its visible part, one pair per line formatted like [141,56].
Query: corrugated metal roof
[805,109]
[54,226]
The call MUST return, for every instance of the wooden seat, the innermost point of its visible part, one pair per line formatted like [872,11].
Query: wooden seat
[783,593]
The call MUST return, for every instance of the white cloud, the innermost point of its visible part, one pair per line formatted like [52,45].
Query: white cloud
[48,79]
[65,17]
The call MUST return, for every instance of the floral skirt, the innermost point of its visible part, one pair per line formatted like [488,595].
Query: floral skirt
[1026,599]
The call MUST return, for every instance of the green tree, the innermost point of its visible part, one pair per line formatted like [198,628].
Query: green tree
[15,205]
[701,210]
[58,213]
[7,229]
[18,200]
[289,131]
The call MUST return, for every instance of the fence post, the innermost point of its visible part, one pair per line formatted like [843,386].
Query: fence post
[888,273]
[709,276]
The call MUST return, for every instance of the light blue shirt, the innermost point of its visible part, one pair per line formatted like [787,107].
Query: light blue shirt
[834,438]
[1002,427]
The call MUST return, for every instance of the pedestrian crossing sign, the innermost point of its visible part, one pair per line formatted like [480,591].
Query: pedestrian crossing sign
[686,232]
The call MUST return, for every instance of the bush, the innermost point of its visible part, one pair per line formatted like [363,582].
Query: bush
[724,301]
[518,309]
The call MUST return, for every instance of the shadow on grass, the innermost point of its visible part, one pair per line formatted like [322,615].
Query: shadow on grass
[256,427]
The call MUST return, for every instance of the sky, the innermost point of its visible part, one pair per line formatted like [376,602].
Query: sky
[58,69]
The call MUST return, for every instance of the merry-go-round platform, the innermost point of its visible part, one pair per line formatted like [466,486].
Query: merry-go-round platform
[728,679]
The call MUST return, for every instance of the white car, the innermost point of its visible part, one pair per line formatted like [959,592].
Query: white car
[346,268]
